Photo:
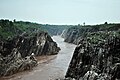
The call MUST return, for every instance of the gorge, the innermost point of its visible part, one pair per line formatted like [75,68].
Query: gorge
[51,69]
[26,45]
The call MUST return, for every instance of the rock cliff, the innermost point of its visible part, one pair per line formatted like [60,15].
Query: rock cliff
[16,54]
[97,57]
[39,43]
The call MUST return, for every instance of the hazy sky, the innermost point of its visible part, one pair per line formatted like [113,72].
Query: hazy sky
[61,11]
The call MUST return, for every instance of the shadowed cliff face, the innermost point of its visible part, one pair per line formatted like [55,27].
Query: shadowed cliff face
[97,57]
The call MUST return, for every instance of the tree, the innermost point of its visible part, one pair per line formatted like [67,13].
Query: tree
[14,20]
[84,23]
[78,24]
[105,23]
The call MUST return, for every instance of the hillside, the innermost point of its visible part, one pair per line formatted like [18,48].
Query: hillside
[9,29]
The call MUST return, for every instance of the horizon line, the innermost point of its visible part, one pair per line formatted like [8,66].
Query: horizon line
[49,23]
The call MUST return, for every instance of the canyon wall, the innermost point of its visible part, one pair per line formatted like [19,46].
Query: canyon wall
[97,56]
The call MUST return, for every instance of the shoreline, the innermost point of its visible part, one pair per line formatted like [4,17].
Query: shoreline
[41,60]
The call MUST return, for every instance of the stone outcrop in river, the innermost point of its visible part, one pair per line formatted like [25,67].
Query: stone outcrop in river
[97,57]
[16,54]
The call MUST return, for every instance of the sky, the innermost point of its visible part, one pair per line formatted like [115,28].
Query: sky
[61,11]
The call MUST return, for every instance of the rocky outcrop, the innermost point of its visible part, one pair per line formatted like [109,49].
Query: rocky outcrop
[17,54]
[39,43]
[97,57]
[13,63]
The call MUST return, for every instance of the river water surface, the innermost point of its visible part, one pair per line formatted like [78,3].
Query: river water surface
[54,68]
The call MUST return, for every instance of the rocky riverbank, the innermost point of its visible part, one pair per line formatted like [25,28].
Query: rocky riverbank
[97,57]
[17,54]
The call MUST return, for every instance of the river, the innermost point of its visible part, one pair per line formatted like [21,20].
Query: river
[52,69]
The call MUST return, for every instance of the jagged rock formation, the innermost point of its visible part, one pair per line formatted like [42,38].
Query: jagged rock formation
[13,63]
[39,43]
[16,54]
[97,57]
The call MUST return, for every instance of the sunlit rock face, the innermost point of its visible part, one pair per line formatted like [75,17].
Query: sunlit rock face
[96,58]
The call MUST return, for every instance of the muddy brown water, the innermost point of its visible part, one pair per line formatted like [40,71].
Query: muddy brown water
[49,67]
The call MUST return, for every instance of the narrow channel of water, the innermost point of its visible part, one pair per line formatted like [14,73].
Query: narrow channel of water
[53,69]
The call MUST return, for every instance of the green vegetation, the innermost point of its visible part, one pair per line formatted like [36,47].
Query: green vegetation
[103,27]
[101,36]
[99,33]
[9,29]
